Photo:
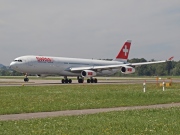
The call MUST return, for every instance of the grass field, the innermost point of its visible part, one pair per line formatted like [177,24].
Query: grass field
[24,99]
[21,99]
[139,122]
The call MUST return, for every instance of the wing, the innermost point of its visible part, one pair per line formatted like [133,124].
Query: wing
[109,67]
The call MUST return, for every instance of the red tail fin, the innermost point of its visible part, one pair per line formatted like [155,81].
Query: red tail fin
[124,52]
[170,59]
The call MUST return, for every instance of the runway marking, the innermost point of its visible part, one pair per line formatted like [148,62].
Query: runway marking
[26,116]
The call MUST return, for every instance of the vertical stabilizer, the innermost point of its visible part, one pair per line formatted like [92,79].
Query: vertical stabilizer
[124,52]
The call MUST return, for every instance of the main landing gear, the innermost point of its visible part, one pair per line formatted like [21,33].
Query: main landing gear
[66,80]
[92,80]
[80,79]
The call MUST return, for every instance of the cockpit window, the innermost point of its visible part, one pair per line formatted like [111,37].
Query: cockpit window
[18,60]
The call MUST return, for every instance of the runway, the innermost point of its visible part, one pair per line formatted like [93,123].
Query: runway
[49,82]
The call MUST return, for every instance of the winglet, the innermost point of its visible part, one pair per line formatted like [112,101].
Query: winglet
[170,59]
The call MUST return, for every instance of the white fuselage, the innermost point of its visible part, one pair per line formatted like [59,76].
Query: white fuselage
[59,65]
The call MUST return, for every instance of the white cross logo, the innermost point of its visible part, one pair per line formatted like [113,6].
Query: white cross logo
[125,50]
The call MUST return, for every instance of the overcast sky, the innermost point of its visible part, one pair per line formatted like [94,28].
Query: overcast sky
[89,28]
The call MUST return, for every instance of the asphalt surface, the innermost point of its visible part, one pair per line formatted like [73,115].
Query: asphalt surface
[43,82]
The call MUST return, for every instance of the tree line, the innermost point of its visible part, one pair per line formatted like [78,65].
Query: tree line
[6,71]
[171,68]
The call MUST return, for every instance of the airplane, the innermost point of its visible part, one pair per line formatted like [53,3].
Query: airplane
[82,68]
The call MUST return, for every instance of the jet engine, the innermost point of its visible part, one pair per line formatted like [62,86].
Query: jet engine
[127,70]
[88,73]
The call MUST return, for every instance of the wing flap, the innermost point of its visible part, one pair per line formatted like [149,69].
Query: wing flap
[95,68]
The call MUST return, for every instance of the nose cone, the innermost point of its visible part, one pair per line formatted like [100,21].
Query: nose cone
[12,65]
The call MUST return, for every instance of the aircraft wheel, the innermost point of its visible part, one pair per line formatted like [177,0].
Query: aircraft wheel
[62,81]
[66,81]
[26,79]
[92,80]
[88,81]
[95,80]
[80,81]
[70,81]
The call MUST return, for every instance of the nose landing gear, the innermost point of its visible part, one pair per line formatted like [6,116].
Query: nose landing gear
[26,79]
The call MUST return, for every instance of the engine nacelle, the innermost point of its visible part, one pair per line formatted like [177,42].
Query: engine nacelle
[127,70]
[88,73]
